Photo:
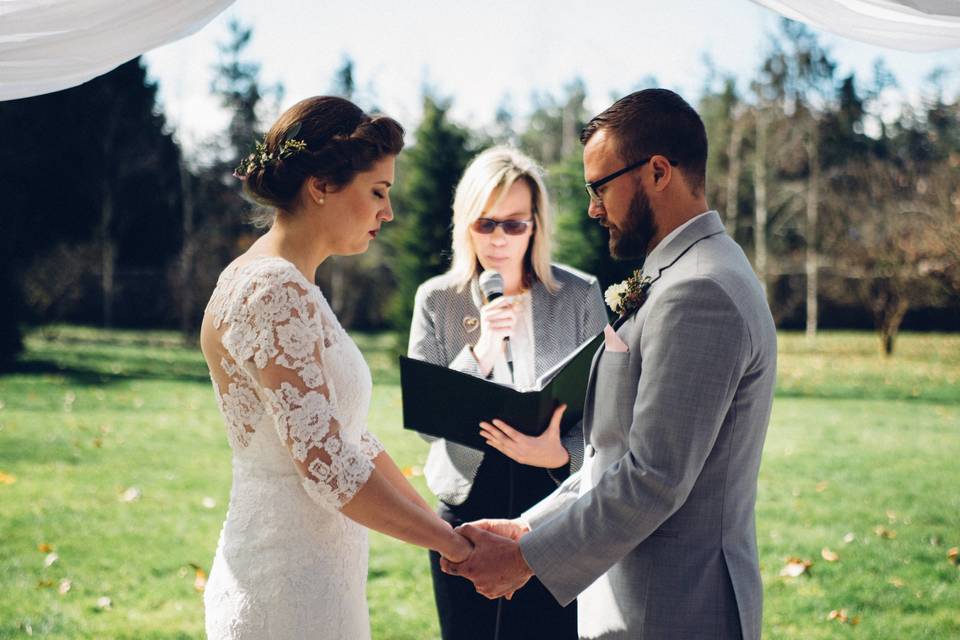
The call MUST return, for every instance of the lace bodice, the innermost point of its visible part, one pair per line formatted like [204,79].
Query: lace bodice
[280,341]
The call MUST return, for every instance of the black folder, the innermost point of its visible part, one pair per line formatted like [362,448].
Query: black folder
[451,404]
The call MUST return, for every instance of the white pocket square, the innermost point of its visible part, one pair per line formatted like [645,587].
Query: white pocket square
[613,341]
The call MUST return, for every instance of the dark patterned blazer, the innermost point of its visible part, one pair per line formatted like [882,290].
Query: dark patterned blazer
[446,325]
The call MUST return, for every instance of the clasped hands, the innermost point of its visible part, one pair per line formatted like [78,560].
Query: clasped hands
[495,566]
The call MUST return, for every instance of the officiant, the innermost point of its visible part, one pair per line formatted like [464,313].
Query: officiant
[504,312]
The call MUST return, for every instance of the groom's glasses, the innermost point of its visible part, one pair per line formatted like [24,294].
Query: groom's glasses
[510,227]
[593,187]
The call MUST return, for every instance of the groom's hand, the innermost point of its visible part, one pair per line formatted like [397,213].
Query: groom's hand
[496,567]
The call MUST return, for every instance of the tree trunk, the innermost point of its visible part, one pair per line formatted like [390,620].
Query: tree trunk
[108,253]
[733,174]
[760,200]
[889,321]
[187,251]
[813,209]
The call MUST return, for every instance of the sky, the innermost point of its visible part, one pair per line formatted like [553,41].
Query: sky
[484,54]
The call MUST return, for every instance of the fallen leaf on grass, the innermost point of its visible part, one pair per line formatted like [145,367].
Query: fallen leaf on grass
[891,516]
[64,587]
[200,578]
[104,603]
[896,582]
[953,555]
[883,532]
[44,583]
[842,617]
[43,547]
[847,539]
[412,472]
[829,556]
[130,495]
[822,486]
[50,559]
[795,567]
[6,478]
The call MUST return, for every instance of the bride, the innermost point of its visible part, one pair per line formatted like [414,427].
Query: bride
[294,391]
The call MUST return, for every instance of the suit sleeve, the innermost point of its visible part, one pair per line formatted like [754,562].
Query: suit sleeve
[694,348]
[561,498]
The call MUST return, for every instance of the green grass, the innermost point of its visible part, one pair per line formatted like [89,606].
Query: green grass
[857,444]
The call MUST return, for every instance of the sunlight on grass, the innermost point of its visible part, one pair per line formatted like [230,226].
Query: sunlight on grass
[115,474]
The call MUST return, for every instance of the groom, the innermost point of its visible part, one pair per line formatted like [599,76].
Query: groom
[655,534]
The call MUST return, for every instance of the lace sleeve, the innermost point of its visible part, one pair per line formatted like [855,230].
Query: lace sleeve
[277,327]
[370,446]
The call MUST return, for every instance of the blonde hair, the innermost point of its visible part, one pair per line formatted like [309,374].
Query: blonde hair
[495,171]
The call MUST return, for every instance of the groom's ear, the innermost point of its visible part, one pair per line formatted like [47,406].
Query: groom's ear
[662,172]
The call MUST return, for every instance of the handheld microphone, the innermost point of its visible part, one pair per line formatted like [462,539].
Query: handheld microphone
[491,285]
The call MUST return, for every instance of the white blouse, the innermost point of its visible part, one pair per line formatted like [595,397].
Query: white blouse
[522,347]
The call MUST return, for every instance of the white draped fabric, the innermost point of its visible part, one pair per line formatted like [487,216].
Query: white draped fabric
[48,45]
[911,25]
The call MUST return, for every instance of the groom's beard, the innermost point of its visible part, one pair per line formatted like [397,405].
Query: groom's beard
[633,239]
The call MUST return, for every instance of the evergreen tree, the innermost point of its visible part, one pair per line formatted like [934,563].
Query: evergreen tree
[580,241]
[237,84]
[105,146]
[221,214]
[428,174]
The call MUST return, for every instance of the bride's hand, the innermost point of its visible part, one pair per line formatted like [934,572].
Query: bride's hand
[544,450]
[457,549]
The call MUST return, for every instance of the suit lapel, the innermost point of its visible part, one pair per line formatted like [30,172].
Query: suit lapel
[588,400]
[661,258]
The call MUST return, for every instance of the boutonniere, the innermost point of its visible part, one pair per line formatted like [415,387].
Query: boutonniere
[626,297]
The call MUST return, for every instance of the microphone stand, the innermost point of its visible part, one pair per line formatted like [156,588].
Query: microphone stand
[510,490]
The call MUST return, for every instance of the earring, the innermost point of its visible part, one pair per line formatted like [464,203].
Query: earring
[321,201]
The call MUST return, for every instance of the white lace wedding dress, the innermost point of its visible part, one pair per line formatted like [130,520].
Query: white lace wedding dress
[294,392]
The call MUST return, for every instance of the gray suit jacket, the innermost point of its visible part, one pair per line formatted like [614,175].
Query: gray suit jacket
[656,531]
[446,324]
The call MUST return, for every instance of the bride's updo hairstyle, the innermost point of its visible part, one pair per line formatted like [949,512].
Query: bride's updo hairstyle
[327,137]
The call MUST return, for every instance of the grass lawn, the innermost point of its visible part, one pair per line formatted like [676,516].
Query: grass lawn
[115,472]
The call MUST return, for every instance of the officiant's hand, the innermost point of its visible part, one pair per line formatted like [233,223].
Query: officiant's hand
[544,450]
[497,321]
[496,567]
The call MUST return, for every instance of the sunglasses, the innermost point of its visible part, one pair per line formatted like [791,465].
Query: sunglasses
[510,227]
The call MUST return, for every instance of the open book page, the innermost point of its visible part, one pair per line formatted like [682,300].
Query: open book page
[552,372]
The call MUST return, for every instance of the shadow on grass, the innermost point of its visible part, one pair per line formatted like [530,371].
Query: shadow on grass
[944,396]
[96,372]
